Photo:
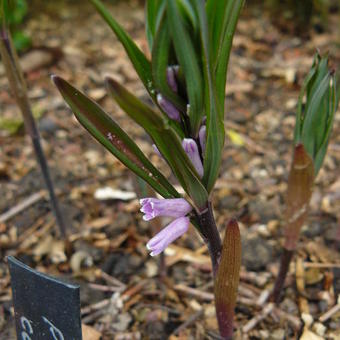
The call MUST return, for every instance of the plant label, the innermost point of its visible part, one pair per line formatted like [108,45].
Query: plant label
[45,308]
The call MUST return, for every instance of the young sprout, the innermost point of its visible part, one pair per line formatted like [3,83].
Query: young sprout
[318,102]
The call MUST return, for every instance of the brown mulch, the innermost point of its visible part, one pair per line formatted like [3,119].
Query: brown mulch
[122,295]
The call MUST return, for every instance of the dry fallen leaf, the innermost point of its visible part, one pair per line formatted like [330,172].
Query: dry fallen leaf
[90,333]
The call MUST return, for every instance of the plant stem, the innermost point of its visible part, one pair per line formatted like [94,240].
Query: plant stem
[210,235]
[286,258]
[18,87]
[299,192]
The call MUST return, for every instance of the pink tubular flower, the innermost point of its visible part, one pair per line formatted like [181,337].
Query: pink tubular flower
[168,108]
[202,137]
[167,235]
[191,149]
[172,207]
[171,78]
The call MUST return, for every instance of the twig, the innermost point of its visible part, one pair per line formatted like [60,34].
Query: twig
[324,317]
[259,317]
[110,279]
[21,206]
[321,265]
[103,288]
[188,322]
[93,316]
[98,305]
[195,292]
[294,321]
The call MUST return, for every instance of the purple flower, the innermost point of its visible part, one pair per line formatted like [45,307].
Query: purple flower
[171,78]
[202,137]
[173,207]
[167,235]
[191,149]
[168,108]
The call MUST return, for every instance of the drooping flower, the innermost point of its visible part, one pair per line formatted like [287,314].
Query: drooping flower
[167,235]
[191,149]
[172,207]
[202,137]
[169,108]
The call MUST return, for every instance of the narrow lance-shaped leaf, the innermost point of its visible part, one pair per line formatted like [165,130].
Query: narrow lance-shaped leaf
[218,14]
[141,64]
[333,105]
[222,58]
[189,61]
[299,113]
[299,191]
[165,139]
[215,124]
[315,117]
[113,138]
[227,279]
[153,13]
[160,61]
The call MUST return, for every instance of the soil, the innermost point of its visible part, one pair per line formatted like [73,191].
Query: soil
[107,237]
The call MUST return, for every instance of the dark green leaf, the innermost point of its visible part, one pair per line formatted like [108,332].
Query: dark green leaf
[165,138]
[224,47]
[141,64]
[160,62]
[113,138]
[153,14]
[299,113]
[215,124]
[189,62]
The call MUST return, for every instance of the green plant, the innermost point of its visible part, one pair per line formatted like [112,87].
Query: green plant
[318,102]
[190,43]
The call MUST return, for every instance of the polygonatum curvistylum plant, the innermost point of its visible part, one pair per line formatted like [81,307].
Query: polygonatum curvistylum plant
[317,104]
[190,43]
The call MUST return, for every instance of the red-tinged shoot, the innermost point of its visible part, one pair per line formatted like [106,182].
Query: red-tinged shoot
[299,192]
[227,279]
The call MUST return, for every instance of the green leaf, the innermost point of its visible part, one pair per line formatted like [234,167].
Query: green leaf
[153,13]
[160,62]
[299,113]
[141,64]
[218,13]
[113,138]
[224,47]
[190,62]
[333,105]
[165,138]
[215,124]
[315,117]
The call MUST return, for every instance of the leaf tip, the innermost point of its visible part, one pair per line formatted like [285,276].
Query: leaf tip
[233,227]
[56,80]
